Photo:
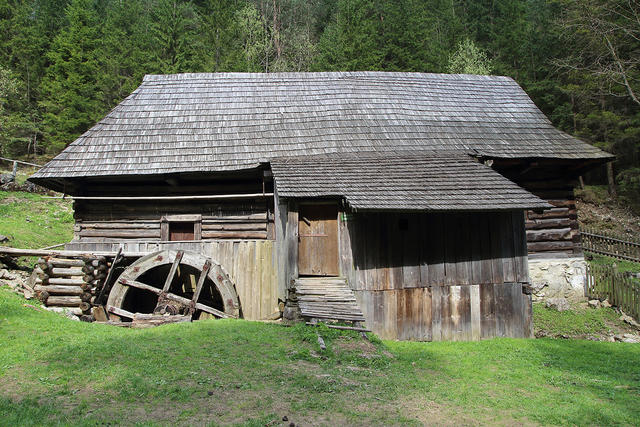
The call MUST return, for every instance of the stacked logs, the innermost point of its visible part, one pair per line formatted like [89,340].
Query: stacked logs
[70,283]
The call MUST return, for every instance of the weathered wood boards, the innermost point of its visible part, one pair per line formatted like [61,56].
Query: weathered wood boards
[318,240]
[111,221]
[327,298]
[401,251]
[433,277]
[448,313]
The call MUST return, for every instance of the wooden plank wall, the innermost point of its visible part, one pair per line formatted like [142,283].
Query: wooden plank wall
[553,231]
[438,276]
[251,264]
[109,221]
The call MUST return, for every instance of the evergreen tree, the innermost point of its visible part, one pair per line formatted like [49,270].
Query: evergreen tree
[124,51]
[175,39]
[72,100]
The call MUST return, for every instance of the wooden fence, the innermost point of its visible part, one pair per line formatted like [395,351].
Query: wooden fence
[621,289]
[609,244]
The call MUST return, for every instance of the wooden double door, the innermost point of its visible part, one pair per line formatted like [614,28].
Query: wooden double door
[318,240]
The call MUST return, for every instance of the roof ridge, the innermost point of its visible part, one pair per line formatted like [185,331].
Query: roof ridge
[321,74]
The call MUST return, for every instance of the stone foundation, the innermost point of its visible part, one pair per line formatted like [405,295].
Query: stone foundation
[557,278]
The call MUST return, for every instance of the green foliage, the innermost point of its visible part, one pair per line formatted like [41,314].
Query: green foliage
[175,40]
[469,59]
[72,96]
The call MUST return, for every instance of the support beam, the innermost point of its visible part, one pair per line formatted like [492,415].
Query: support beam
[174,297]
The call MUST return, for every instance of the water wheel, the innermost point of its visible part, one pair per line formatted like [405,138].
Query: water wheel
[175,283]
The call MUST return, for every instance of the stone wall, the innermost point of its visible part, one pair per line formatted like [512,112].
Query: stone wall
[560,277]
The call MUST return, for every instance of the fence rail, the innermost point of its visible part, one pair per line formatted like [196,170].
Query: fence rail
[609,244]
[621,289]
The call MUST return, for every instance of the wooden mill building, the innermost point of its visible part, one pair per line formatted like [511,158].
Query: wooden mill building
[397,199]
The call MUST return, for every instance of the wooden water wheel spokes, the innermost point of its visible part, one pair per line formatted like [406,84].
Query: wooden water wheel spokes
[180,294]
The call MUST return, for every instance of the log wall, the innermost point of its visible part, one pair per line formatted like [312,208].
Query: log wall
[553,232]
[251,265]
[116,221]
[438,276]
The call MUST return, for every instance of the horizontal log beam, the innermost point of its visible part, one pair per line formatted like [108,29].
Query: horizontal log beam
[549,246]
[550,223]
[60,290]
[65,263]
[258,226]
[14,252]
[61,281]
[207,197]
[63,301]
[119,225]
[554,213]
[555,234]
[131,234]
[234,235]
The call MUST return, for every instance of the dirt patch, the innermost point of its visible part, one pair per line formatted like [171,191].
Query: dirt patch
[12,385]
[364,347]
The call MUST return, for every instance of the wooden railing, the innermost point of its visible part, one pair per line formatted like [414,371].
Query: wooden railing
[621,289]
[609,244]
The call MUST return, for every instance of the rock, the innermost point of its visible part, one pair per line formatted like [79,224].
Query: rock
[605,304]
[630,338]
[560,304]
[3,238]
[630,321]
[72,316]
[594,303]
[611,338]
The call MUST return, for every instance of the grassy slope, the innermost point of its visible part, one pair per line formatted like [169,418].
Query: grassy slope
[31,221]
[53,371]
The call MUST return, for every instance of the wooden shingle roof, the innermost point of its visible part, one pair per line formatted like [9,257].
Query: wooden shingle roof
[234,121]
[401,181]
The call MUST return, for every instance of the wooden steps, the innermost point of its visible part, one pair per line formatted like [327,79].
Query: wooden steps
[327,298]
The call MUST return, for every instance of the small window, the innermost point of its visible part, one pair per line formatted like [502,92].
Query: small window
[181,227]
[403,224]
[182,231]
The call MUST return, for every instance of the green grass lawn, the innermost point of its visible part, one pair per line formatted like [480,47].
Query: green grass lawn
[31,221]
[621,265]
[55,371]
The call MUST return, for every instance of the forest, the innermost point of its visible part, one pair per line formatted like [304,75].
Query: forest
[66,63]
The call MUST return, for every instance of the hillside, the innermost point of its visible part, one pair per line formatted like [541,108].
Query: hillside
[597,210]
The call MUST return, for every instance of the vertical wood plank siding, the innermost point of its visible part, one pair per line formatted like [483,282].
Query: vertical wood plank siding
[453,276]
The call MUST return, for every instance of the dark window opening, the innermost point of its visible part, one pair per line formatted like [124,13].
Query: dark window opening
[403,224]
[181,231]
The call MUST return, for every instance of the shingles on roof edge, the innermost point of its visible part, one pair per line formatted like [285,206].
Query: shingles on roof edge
[231,121]
[410,181]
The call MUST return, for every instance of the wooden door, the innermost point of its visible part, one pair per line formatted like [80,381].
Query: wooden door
[318,240]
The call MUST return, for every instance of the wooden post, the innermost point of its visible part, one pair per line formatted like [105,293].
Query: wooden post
[611,180]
